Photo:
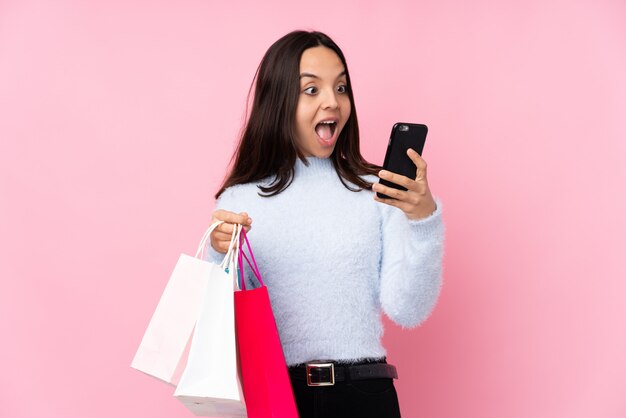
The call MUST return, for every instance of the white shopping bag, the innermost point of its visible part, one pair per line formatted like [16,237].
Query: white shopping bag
[162,349]
[210,383]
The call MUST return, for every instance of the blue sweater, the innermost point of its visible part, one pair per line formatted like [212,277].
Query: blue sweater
[333,259]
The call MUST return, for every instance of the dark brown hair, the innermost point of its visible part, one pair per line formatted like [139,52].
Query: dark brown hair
[267,146]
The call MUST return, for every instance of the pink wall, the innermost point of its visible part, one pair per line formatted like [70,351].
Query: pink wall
[117,120]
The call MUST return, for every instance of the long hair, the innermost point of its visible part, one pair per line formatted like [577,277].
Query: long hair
[268,143]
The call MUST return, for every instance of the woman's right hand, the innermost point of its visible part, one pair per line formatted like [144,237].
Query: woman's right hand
[221,236]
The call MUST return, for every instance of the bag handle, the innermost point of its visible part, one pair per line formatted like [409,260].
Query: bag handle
[205,237]
[233,249]
[234,239]
[255,268]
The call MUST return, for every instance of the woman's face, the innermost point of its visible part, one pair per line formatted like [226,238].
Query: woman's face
[324,106]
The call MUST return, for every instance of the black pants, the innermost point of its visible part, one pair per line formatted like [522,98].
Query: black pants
[368,398]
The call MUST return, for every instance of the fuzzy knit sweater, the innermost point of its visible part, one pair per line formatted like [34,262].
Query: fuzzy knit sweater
[333,260]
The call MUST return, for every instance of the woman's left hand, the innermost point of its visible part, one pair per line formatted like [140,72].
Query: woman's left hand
[416,202]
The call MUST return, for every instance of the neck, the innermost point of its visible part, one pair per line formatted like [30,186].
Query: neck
[314,166]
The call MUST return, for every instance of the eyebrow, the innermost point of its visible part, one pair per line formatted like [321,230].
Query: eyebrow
[317,77]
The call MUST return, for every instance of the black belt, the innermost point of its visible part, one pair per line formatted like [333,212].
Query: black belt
[327,373]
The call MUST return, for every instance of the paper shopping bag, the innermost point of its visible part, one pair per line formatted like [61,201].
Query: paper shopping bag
[161,352]
[210,383]
[265,377]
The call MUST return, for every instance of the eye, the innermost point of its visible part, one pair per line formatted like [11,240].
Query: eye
[310,90]
[342,89]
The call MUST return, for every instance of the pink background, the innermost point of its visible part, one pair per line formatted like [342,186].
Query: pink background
[117,120]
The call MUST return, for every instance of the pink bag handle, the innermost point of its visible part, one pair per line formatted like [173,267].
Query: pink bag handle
[255,268]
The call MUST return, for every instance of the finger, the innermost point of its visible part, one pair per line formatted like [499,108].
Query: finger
[392,202]
[219,250]
[419,162]
[219,246]
[247,219]
[221,236]
[408,198]
[225,228]
[396,178]
[232,217]
[389,191]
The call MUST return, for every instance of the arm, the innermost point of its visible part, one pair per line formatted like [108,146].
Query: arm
[411,265]
[412,246]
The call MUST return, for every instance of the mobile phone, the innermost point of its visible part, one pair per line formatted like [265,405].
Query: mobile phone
[403,136]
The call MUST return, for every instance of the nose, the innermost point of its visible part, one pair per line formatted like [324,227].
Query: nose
[330,100]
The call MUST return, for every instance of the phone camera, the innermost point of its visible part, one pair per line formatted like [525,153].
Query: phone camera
[403,128]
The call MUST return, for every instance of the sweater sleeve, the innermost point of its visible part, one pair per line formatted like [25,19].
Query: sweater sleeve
[411,265]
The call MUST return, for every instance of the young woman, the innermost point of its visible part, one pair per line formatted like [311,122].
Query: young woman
[332,254]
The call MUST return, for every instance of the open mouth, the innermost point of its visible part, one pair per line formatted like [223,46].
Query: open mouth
[326,129]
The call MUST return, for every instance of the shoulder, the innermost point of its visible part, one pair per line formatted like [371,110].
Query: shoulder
[239,195]
[239,190]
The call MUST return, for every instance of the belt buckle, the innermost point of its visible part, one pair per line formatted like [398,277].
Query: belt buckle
[320,366]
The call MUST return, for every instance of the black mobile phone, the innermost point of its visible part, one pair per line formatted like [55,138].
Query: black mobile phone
[403,136]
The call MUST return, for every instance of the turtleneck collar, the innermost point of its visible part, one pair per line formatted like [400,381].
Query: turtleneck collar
[316,166]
